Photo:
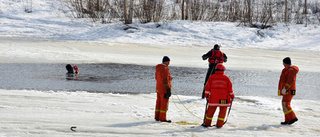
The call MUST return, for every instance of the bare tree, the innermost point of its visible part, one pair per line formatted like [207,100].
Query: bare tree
[131,12]
[286,12]
[149,10]
[248,12]
[266,15]
[306,12]
[128,12]
[233,11]
[198,9]
[187,9]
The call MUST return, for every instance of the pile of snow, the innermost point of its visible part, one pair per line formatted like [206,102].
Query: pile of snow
[48,21]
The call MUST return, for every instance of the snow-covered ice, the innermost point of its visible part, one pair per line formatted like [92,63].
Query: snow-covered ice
[48,36]
[39,113]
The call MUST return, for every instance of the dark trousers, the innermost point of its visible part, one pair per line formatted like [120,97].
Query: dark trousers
[211,70]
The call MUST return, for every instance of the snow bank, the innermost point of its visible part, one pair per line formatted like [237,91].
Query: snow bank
[48,21]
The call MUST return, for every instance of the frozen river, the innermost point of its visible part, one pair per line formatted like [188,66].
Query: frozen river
[104,67]
[134,79]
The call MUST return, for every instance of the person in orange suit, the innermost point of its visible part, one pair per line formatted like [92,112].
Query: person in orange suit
[287,89]
[163,89]
[219,93]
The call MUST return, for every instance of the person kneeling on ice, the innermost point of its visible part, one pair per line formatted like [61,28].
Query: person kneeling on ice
[72,70]
[163,89]
[287,89]
[219,93]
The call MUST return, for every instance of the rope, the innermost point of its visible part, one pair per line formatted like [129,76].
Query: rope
[187,108]
[180,123]
[183,104]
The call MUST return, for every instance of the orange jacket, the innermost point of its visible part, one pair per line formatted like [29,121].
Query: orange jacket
[288,80]
[163,78]
[219,90]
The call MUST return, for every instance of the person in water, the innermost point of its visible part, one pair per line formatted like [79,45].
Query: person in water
[72,70]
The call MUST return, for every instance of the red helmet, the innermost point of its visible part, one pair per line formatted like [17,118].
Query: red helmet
[76,69]
[220,67]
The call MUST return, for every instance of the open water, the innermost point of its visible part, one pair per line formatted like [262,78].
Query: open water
[135,79]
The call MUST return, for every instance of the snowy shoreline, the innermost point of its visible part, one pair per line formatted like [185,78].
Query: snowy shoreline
[52,114]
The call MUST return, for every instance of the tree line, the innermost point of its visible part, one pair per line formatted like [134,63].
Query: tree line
[247,12]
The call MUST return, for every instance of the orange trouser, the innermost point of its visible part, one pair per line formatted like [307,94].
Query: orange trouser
[287,110]
[210,113]
[161,107]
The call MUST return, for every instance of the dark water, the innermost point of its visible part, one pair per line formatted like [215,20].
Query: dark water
[134,79]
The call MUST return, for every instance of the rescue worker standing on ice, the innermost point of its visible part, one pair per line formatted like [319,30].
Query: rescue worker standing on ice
[215,56]
[219,93]
[287,89]
[163,89]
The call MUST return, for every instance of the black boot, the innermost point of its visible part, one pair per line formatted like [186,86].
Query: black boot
[204,125]
[168,121]
[292,121]
[284,123]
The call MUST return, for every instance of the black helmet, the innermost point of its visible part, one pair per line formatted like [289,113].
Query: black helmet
[216,47]
[69,68]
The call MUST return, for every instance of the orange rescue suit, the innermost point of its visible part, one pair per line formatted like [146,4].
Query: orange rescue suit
[219,90]
[163,78]
[288,81]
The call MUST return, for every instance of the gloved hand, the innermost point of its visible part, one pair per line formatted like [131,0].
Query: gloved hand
[231,99]
[284,91]
[204,57]
[168,94]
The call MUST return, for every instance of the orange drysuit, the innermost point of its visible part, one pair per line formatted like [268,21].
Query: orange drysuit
[163,78]
[288,82]
[219,90]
